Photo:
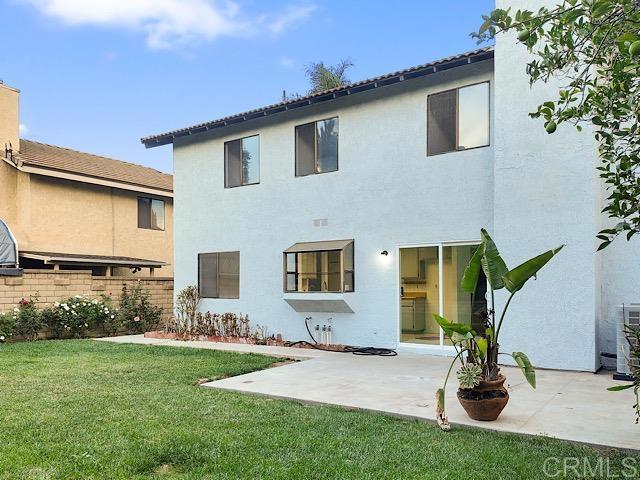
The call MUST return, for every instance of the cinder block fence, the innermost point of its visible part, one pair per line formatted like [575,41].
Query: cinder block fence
[52,286]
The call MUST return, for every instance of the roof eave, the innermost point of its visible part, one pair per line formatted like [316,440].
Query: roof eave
[36,169]
[330,95]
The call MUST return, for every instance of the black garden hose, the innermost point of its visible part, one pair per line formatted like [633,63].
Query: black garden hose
[379,351]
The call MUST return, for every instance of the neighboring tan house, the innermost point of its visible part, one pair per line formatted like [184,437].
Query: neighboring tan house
[72,210]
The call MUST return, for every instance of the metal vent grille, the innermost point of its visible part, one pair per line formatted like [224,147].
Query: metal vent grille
[630,317]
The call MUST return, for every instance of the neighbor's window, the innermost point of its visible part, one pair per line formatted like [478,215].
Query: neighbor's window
[242,162]
[319,267]
[317,147]
[219,275]
[150,213]
[458,119]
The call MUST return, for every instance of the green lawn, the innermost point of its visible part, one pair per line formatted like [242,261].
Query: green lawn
[86,409]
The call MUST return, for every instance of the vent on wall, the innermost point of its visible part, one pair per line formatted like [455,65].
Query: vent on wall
[320,222]
[630,318]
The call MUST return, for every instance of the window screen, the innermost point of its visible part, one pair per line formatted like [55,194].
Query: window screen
[305,149]
[219,275]
[441,126]
[144,212]
[242,162]
[150,213]
[317,147]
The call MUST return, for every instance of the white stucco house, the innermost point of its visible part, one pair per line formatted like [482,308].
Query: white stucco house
[360,206]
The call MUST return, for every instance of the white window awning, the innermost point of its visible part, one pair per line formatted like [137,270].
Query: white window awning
[318,246]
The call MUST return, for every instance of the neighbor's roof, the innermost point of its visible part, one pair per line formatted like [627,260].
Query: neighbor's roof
[352,88]
[60,159]
[73,259]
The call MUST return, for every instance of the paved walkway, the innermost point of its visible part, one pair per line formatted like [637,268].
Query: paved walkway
[569,405]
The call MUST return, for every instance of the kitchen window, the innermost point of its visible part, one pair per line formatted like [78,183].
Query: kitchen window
[150,213]
[458,119]
[242,162]
[317,147]
[319,267]
[219,275]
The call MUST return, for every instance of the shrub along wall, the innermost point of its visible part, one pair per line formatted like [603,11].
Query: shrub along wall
[54,286]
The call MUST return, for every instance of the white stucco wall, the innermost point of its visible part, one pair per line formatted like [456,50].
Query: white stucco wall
[546,194]
[386,193]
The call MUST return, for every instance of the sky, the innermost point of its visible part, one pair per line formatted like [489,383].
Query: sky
[97,75]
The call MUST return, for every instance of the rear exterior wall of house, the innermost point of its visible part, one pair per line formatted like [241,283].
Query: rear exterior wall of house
[532,190]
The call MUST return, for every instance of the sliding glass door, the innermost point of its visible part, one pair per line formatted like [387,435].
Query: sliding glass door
[430,284]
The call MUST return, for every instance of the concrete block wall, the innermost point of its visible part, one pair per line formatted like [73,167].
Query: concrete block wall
[54,286]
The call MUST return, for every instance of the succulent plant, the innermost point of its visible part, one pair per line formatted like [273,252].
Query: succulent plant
[469,375]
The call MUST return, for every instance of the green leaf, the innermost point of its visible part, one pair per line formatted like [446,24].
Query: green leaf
[618,388]
[472,271]
[515,279]
[525,365]
[492,263]
[450,328]
[482,344]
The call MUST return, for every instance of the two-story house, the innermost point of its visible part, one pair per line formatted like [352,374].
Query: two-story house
[72,210]
[360,207]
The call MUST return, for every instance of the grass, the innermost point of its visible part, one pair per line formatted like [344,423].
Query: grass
[85,409]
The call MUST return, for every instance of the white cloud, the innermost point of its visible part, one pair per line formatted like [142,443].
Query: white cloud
[172,23]
[287,62]
[292,15]
[23,130]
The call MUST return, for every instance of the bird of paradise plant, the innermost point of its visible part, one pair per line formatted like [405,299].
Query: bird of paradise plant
[478,352]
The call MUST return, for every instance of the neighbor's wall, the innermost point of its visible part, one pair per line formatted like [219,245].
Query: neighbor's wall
[547,193]
[63,216]
[9,118]
[52,287]
[8,184]
[386,193]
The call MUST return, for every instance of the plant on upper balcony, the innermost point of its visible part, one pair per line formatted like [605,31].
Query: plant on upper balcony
[482,393]
[632,335]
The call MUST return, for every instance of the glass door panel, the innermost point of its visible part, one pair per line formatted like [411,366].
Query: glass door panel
[419,293]
[430,284]
[457,305]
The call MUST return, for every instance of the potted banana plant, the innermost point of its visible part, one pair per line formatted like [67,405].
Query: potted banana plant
[482,393]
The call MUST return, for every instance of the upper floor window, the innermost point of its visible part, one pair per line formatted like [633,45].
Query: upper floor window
[458,119]
[319,267]
[150,213]
[317,147]
[219,275]
[242,162]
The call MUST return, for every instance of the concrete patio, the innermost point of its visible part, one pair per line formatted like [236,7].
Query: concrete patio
[570,405]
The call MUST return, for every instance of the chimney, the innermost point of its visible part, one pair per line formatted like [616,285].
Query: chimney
[9,118]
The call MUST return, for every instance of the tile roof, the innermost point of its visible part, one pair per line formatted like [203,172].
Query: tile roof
[85,164]
[459,60]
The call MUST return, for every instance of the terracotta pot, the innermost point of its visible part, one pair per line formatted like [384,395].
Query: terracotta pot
[486,410]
